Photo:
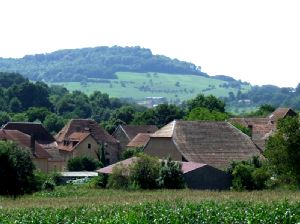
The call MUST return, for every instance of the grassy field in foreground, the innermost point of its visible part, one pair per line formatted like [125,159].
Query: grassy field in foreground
[141,85]
[73,204]
[73,196]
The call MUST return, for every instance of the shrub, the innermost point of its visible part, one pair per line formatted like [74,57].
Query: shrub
[145,172]
[170,174]
[99,181]
[130,152]
[16,170]
[119,179]
[48,185]
[82,163]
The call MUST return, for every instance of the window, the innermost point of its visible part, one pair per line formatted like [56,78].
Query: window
[89,146]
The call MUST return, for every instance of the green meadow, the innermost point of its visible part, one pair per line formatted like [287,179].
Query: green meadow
[138,86]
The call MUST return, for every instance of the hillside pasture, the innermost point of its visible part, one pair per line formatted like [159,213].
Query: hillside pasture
[138,86]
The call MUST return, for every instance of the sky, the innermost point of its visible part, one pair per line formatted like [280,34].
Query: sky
[252,40]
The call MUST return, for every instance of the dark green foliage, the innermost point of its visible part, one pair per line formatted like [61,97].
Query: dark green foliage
[203,114]
[48,185]
[210,102]
[283,150]
[263,111]
[9,79]
[170,174]
[15,105]
[99,181]
[130,152]
[53,123]
[4,118]
[16,170]
[144,172]
[119,178]
[99,62]
[82,163]
[37,114]
[160,115]
[249,175]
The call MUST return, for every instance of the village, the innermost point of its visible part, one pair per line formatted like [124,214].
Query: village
[205,149]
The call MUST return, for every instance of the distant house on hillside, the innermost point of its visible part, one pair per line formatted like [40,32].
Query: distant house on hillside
[84,137]
[216,144]
[38,154]
[262,128]
[196,175]
[125,133]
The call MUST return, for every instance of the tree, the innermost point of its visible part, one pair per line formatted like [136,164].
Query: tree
[210,102]
[4,118]
[283,150]
[37,113]
[82,163]
[53,123]
[203,114]
[145,172]
[170,174]
[16,170]
[15,105]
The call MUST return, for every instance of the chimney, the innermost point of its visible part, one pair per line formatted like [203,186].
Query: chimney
[32,143]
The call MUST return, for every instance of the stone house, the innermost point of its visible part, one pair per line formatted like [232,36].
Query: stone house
[38,154]
[84,137]
[262,128]
[216,144]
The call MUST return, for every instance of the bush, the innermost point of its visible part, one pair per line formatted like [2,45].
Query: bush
[119,179]
[145,172]
[170,174]
[16,170]
[48,185]
[99,181]
[82,163]
[130,152]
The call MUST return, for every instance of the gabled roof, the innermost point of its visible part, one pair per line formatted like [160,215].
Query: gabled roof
[140,140]
[132,130]
[24,140]
[210,142]
[84,126]
[73,141]
[37,130]
[185,166]
[281,113]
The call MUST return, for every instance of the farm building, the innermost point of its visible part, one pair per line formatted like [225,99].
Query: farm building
[262,128]
[84,137]
[216,144]
[139,141]
[40,134]
[125,133]
[196,175]
[38,154]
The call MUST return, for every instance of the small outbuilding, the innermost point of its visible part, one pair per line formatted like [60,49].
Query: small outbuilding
[197,175]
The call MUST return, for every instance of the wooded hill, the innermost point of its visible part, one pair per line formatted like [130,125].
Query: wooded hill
[98,62]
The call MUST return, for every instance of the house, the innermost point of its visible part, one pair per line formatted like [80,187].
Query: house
[262,128]
[216,144]
[196,175]
[139,141]
[125,133]
[38,154]
[84,137]
[41,135]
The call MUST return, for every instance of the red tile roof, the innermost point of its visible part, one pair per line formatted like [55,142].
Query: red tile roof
[85,126]
[132,130]
[24,140]
[37,130]
[73,141]
[140,140]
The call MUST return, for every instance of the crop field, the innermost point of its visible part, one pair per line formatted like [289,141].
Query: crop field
[141,85]
[72,204]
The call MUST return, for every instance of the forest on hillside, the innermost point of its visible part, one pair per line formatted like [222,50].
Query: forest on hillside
[98,62]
